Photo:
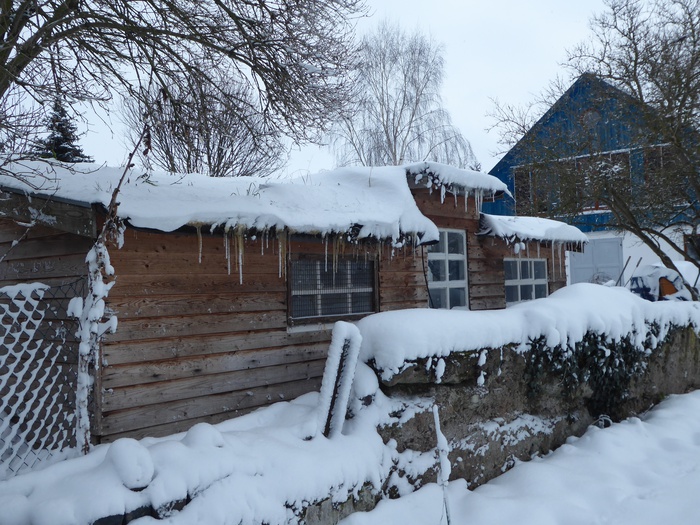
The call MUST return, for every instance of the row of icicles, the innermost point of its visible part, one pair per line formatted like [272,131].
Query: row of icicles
[335,247]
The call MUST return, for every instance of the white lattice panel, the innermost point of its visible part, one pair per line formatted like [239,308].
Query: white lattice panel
[37,375]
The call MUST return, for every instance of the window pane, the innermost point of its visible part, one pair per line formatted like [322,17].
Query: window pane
[511,268]
[438,247]
[456,272]
[455,242]
[303,306]
[436,270]
[540,291]
[337,279]
[525,270]
[362,302]
[334,304]
[304,274]
[540,269]
[525,292]
[438,297]
[457,297]
[361,274]
[512,294]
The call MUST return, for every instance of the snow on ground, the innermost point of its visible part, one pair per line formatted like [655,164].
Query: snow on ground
[642,471]
[253,469]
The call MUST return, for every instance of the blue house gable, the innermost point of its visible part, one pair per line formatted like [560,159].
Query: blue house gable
[591,118]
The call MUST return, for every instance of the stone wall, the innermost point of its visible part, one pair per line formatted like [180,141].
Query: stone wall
[499,406]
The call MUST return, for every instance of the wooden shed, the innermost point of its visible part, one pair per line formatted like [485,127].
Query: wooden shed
[226,290]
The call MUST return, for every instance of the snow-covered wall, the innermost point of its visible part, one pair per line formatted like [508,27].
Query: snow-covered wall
[515,382]
[394,340]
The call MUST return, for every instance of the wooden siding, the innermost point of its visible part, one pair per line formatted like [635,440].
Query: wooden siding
[194,343]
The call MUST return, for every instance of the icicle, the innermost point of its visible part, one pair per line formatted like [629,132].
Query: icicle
[442,194]
[325,242]
[240,264]
[279,260]
[466,202]
[552,256]
[560,269]
[538,249]
[238,246]
[199,240]
[227,251]
[282,250]
[527,250]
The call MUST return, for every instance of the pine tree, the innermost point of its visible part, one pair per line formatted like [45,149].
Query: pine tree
[62,142]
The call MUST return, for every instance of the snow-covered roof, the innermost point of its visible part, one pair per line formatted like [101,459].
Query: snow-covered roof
[523,229]
[378,201]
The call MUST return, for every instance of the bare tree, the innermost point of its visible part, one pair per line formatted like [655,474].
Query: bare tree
[192,130]
[398,114]
[293,56]
[651,52]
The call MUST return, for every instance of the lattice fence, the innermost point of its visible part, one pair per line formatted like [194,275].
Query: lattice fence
[38,374]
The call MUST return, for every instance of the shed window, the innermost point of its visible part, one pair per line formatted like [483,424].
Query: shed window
[526,279]
[320,289]
[447,270]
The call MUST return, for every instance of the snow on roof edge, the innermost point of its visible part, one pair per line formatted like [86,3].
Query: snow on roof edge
[465,179]
[523,229]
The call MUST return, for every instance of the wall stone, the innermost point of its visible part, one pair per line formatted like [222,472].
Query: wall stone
[521,409]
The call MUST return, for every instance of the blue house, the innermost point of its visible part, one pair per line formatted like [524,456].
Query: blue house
[592,124]
[591,119]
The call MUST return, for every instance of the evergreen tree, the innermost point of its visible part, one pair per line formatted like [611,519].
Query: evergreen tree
[62,142]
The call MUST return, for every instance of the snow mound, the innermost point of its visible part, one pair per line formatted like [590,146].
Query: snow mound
[132,462]
[203,435]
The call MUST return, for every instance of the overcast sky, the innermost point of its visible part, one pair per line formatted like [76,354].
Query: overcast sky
[504,49]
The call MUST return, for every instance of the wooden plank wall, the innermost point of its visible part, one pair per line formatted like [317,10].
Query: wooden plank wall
[193,343]
[401,279]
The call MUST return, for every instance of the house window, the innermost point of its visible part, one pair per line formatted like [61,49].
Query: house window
[447,270]
[321,290]
[526,279]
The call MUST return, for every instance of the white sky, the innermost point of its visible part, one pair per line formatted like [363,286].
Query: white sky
[504,49]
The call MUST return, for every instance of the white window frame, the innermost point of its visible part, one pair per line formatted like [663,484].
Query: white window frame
[529,280]
[445,256]
[319,290]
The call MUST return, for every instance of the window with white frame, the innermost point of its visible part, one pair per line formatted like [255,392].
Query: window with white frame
[526,279]
[447,270]
[321,289]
